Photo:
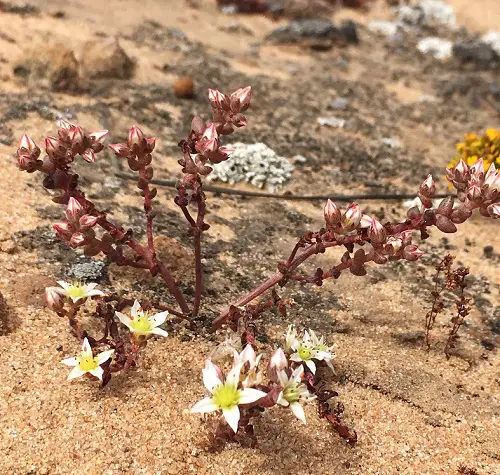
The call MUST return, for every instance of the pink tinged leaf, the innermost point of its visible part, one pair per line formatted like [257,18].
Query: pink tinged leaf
[53,146]
[232,416]
[477,168]
[445,224]
[89,155]
[135,136]
[99,136]
[412,253]
[74,210]
[460,171]
[88,221]
[248,354]
[352,217]
[494,210]
[77,240]
[216,97]
[65,125]
[474,193]
[27,144]
[150,144]
[277,363]
[63,230]
[76,135]
[446,206]
[461,214]
[120,149]
[366,221]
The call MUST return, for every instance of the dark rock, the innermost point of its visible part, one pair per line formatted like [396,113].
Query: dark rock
[488,251]
[350,32]
[300,30]
[487,344]
[477,52]
[87,270]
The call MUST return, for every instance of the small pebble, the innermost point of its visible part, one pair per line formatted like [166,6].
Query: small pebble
[184,87]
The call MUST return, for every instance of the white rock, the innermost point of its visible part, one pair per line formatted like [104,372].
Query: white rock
[387,28]
[492,38]
[331,121]
[439,48]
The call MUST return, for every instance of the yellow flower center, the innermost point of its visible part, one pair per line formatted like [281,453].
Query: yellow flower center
[226,396]
[142,324]
[87,363]
[291,394]
[76,290]
[305,352]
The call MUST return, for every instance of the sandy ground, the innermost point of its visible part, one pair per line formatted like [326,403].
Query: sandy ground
[414,411]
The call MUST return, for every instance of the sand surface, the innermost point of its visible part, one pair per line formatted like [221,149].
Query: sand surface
[415,412]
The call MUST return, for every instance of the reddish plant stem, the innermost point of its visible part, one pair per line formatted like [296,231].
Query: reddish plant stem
[198,230]
[148,210]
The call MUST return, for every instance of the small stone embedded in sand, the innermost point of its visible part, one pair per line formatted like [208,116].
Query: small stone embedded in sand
[332,121]
[53,67]
[383,27]
[256,164]
[105,59]
[476,52]
[492,38]
[184,87]
[428,12]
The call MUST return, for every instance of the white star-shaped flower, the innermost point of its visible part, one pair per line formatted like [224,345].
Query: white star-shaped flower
[142,323]
[293,392]
[86,362]
[76,290]
[226,394]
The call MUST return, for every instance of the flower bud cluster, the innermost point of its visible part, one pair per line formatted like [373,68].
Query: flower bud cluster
[342,223]
[137,150]
[227,110]
[77,229]
[72,140]
[476,188]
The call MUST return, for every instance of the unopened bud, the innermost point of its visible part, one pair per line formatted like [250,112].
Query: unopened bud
[135,136]
[53,146]
[150,144]
[277,363]
[65,125]
[474,193]
[477,168]
[352,217]
[216,97]
[428,187]
[76,135]
[460,171]
[29,146]
[377,232]
[244,96]
[494,210]
[332,214]
[54,299]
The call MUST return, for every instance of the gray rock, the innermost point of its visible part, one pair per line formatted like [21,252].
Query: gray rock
[299,30]
[477,52]
[339,103]
[87,270]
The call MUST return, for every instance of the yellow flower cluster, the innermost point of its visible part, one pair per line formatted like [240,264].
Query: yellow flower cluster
[475,147]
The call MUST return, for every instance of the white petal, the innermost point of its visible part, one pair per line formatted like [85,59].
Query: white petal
[76,372]
[90,287]
[159,331]
[330,365]
[158,319]
[97,372]
[283,377]
[76,299]
[86,348]
[70,361]
[104,356]
[210,377]
[282,401]
[234,375]
[63,284]
[135,308]
[306,337]
[311,365]
[93,293]
[249,395]
[298,411]
[205,405]
[125,319]
[58,290]
[248,354]
[232,416]
[297,374]
[296,357]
